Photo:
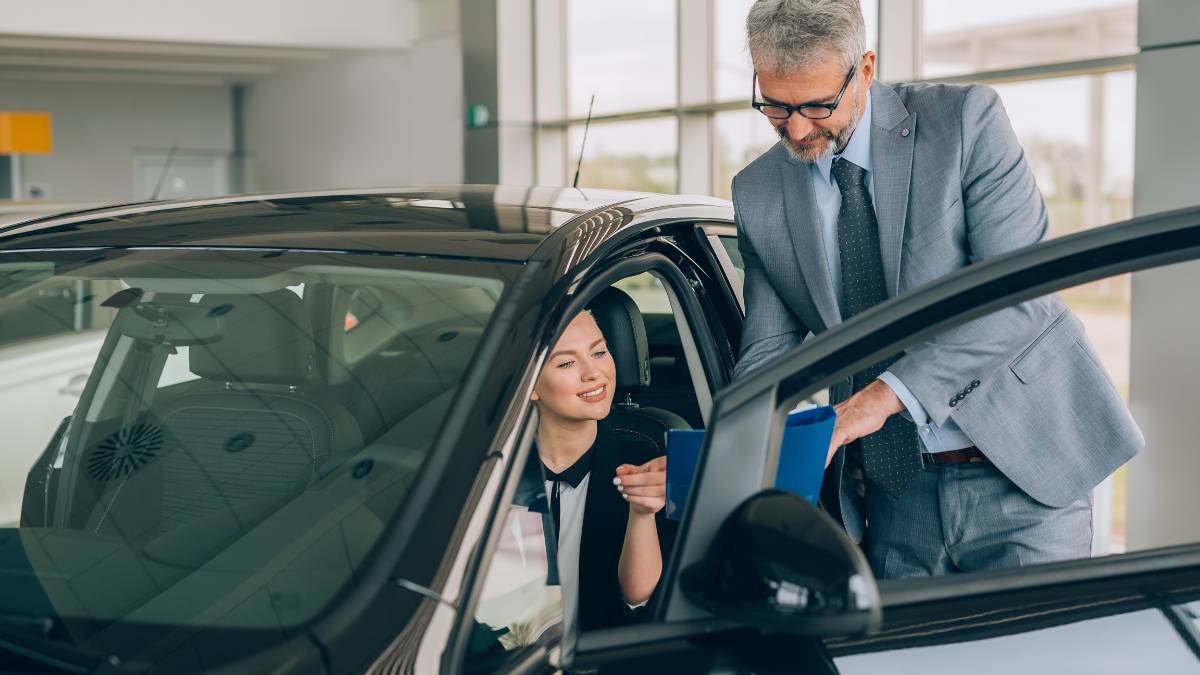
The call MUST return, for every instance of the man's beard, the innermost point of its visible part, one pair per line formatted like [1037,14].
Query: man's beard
[834,141]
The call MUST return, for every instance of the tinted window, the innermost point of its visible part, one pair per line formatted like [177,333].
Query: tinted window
[233,453]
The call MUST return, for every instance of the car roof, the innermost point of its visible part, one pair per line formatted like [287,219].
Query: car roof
[460,221]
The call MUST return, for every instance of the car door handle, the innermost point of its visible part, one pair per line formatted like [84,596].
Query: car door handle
[74,386]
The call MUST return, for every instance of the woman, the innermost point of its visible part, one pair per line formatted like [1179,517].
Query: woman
[605,492]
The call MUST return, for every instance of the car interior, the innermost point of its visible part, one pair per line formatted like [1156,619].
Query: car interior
[656,392]
[240,429]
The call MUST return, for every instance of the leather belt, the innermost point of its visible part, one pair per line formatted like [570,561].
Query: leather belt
[970,455]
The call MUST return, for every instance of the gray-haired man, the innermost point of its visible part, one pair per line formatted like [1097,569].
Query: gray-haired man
[875,189]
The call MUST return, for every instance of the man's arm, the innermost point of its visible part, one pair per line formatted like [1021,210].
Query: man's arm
[771,327]
[1004,212]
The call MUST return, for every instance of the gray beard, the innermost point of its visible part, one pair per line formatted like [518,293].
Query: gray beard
[835,144]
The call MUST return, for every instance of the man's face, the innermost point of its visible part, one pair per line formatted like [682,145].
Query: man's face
[807,139]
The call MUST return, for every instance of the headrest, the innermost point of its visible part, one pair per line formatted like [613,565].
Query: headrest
[265,339]
[621,322]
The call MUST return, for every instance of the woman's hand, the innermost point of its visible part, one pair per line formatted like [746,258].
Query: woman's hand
[644,487]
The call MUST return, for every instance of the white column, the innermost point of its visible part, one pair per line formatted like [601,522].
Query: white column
[515,90]
[696,86]
[899,40]
[550,90]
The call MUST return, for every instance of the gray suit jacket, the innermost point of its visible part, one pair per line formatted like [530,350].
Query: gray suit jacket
[951,188]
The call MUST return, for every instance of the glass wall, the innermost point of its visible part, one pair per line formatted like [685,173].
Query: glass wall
[622,51]
[629,55]
[741,136]
[1064,70]
[636,155]
[964,36]
[1075,120]
[733,68]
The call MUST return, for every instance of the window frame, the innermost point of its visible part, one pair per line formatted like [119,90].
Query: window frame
[641,255]
[751,412]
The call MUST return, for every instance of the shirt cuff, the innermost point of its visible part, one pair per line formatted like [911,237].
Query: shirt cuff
[914,411]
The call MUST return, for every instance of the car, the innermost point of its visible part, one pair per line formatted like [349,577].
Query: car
[306,416]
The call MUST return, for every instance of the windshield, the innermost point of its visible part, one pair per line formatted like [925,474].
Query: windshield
[209,443]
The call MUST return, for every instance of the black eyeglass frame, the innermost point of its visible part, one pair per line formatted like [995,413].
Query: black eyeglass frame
[827,108]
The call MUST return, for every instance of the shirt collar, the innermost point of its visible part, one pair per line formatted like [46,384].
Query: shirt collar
[858,150]
[574,474]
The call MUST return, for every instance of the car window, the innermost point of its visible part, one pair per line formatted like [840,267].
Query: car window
[730,243]
[520,604]
[1056,429]
[232,453]
[672,381]
[1101,646]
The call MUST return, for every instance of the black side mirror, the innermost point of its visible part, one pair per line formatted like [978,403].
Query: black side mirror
[781,565]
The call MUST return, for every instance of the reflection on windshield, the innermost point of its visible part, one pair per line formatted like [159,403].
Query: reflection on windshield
[203,442]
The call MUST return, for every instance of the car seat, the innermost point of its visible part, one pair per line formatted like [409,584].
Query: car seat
[235,450]
[621,323]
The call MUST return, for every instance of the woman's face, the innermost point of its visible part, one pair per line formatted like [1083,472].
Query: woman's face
[578,379]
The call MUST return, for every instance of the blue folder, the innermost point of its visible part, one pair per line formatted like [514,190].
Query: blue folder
[802,455]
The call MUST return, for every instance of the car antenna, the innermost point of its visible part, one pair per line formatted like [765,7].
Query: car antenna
[588,124]
[163,175]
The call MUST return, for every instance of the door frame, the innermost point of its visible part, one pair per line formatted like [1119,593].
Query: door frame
[749,414]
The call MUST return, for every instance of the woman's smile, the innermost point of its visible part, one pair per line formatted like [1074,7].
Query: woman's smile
[593,394]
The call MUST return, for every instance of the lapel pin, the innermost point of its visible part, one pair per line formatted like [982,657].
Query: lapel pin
[904,132]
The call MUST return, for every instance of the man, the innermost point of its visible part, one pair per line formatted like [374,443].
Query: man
[980,447]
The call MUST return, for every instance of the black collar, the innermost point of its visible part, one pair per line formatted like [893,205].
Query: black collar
[574,474]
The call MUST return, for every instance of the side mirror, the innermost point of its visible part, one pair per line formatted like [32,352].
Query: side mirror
[781,565]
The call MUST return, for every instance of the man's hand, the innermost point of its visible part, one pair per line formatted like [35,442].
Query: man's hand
[645,486]
[862,414]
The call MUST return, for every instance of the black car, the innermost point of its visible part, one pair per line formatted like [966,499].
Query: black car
[301,419]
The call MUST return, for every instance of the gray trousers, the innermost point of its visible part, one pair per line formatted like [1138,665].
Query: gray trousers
[968,517]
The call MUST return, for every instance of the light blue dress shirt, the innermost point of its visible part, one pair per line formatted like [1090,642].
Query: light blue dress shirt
[829,201]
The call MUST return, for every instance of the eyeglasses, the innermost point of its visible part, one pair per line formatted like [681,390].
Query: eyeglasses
[813,111]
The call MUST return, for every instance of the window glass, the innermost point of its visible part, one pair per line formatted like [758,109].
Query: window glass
[1054,371]
[733,69]
[639,155]
[50,308]
[1099,646]
[1082,157]
[227,463]
[671,385]
[962,36]
[730,244]
[518,606]
[741,136]
[623,52]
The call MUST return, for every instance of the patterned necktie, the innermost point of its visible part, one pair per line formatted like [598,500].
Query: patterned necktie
[891,457]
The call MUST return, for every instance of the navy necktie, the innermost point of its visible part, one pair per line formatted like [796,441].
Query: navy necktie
[891,457]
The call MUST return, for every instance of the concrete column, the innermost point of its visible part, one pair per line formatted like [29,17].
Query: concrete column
[899,40]
[514,56]
[697,67]
[550,91]
[481,146]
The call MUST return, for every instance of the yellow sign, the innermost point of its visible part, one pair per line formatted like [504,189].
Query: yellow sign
[25,133]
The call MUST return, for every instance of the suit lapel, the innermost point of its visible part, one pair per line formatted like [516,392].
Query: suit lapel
[891,156]
[803,226]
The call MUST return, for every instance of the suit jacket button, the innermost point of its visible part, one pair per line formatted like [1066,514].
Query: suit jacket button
[975,384]
[953,402]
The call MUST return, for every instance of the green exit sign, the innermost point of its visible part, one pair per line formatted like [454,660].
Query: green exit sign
[478,116]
